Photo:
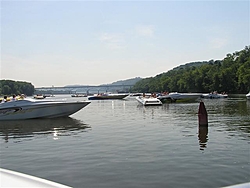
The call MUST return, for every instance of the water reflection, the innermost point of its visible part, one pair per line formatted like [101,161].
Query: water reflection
[203,138]
[230,106]
[29,128]
[248,104]
[148,110]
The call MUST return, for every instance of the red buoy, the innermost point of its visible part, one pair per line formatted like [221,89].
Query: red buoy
[202,115]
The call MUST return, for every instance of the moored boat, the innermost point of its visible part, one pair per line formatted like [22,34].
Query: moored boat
[78,95]
[214,95]
[106,96]
[30,109]
[148,101]
[174,96]
[39,96]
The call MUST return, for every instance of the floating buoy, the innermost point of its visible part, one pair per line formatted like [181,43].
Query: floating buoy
[202,115]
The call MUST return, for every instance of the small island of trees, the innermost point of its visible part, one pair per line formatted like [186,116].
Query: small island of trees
[10,87]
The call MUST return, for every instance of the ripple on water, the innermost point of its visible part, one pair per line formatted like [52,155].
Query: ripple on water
[123,144]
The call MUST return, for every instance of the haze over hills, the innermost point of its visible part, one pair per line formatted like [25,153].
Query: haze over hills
[231,74]
[132,81]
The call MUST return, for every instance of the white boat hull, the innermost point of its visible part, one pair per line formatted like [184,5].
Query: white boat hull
[214,96]
[26,109]
[9,178]
[180,96]
[148,101]
[248,95]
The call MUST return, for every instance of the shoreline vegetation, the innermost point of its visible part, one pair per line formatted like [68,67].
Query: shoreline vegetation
[230,75]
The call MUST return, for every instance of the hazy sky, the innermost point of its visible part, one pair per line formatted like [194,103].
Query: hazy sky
[97,42]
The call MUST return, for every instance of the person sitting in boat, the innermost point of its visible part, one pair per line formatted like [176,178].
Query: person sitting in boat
[4,99]
[13,98]
[153,95]
[22,96]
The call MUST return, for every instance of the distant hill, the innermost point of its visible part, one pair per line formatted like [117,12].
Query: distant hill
[130,81]
[231,75]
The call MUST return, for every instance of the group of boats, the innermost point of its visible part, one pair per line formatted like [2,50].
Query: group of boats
[175,96]
[32,108]
[28,108]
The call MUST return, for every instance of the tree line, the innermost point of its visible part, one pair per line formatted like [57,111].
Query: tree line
[10,87]
[231,75]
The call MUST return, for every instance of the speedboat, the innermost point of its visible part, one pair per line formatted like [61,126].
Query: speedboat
[248,95]
[174,96]
[10,178]
[30,109]
[78,95]
[105,96]
[39,96]
[214,95]
[148,101]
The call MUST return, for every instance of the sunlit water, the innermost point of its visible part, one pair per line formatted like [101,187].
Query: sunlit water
[119,143]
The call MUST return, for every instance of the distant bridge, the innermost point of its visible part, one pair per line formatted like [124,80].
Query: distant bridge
[82,89]
[74,87]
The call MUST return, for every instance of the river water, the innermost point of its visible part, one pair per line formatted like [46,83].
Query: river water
[119,143]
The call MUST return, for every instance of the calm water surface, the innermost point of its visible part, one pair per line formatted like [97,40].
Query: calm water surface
[118,143]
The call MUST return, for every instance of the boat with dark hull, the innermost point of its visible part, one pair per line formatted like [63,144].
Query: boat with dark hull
[108,96]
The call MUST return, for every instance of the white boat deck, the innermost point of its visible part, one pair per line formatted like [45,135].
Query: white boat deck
[9,178]
[146,101]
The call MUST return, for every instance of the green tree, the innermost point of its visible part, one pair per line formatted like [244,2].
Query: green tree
[9,87]
[232,75]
